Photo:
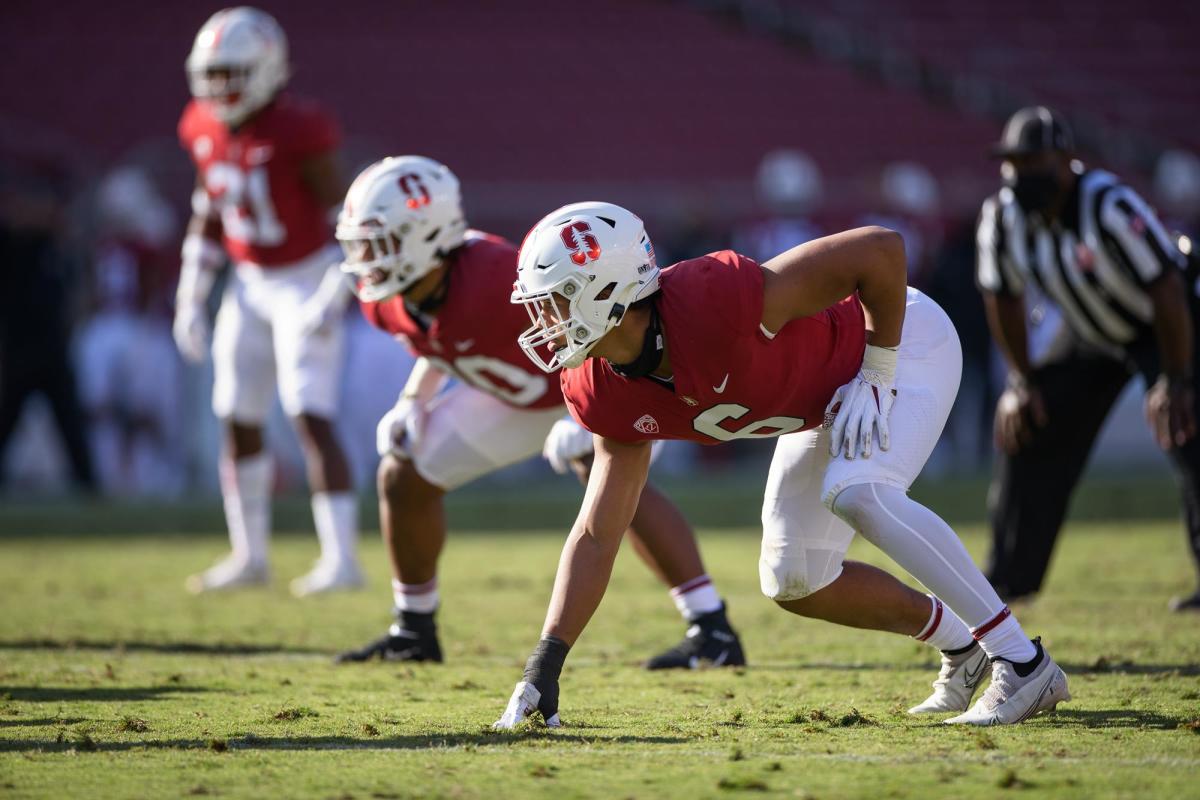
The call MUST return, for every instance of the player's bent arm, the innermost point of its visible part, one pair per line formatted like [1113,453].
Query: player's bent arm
[1006,319]
[423,381]
[815,275]
[617,477]
[1172,324]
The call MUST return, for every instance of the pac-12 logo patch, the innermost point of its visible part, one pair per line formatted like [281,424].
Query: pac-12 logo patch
[646,424]
[581,242]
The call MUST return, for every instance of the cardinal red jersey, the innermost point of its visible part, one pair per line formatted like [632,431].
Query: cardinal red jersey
[474,335]
[732,380]
[252,176]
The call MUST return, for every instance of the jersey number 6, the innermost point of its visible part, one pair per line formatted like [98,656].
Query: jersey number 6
[709,423]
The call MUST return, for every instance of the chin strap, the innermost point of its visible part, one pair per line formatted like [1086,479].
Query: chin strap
[652,350]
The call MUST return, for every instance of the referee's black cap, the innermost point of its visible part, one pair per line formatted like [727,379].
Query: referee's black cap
[1034,129]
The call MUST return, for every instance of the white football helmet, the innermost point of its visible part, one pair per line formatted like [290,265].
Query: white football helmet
[402,215]
[597,260]
[238,63]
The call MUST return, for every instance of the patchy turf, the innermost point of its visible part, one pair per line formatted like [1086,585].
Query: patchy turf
[115,683]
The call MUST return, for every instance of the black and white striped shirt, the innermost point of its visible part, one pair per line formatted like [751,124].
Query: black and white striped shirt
[1094,262]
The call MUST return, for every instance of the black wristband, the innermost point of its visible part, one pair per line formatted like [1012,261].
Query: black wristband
[546,661]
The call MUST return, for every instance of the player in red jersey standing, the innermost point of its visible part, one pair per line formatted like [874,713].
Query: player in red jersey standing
[443,290]
[719,348]
[267,178]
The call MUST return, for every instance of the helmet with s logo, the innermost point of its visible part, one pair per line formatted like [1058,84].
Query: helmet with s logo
[579,270]
[401,216]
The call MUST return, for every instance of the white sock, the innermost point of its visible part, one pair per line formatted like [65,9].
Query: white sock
[921,542]
[944,630]
[1001,637]
[419,597]
[246,490]
[696,597]
[336,518]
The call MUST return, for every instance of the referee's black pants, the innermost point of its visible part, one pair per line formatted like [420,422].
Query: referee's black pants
[1031,489]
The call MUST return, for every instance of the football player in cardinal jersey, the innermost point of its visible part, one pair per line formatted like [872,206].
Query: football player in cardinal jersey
[267,179]
[823,346]
[443,289]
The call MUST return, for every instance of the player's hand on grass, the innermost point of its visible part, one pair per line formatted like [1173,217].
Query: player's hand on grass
[1170,410]
[858,412]
[190,330]
[1019,412]
[538,691]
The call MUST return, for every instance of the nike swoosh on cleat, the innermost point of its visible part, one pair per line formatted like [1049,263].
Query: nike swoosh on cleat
[721,659]
[971,679]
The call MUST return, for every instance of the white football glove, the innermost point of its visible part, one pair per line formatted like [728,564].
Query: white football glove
[190,330]
[567,442]
[199,260]
[859,410]
[399,427]
[524,702]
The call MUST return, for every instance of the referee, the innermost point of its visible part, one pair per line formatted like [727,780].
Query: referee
[1092,246]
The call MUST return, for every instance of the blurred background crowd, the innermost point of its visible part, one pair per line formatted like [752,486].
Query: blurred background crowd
[750,124]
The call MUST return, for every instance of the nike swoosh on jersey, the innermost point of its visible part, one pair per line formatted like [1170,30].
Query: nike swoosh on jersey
[720,389]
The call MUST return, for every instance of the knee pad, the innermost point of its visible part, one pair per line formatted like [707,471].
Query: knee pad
[863,507]
[793,565]
[852,503]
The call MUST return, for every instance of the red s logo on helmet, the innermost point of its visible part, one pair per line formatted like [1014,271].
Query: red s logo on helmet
[412,185]
[580,240]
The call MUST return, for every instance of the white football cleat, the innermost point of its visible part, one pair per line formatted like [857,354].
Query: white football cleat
[328,577]
[1011,699]
[956,682]
[229,573]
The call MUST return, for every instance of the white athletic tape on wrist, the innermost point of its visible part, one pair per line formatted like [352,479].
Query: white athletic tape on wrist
[881,361]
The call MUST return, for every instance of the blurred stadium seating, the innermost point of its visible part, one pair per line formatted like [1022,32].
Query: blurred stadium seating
[665,106]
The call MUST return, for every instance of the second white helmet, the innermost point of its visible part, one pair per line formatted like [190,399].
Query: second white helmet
[238,63]
[597,260]
[401,216]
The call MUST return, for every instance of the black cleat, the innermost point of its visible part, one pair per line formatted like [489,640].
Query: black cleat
[710,642]
[412,637]
[1189,603]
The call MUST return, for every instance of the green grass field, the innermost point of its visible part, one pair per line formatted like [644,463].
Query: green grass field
[115,683]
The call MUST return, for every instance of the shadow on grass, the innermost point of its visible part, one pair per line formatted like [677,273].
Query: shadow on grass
[1117,718]
[1104,667]
[50,694]
[37,722]
[136,646]
[778,666]
[411,742]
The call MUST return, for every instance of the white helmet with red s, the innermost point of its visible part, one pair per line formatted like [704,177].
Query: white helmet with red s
[401,217]
[238,63]
[593,258]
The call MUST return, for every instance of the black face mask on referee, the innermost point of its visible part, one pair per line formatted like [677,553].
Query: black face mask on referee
[1035,189]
